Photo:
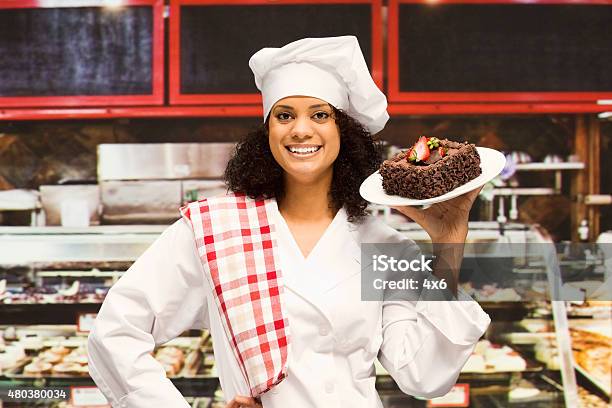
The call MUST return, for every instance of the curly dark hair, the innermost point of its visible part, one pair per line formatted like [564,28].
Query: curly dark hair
[252,170]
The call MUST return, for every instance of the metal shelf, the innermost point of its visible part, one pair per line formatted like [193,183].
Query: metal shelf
[28,245]
[92,230]
[78,274]
[524,191]
[550,166]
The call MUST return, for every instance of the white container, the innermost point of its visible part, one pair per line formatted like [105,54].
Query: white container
[74,213]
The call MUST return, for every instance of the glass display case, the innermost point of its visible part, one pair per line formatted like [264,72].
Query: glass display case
[537,352]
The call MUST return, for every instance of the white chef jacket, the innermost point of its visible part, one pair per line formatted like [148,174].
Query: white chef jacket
[335,337]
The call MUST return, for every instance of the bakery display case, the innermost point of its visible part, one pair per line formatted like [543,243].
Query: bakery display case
[536,353]
[56,355]
[544,348]
[52,282]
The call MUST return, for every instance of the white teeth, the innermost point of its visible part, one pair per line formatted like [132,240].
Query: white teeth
[303,150]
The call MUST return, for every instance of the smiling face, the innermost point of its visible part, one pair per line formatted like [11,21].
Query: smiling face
[304,138]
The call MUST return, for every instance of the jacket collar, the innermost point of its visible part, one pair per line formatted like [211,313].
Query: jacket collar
[334,259]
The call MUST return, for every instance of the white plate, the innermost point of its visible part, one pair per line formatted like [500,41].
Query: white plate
[492,163]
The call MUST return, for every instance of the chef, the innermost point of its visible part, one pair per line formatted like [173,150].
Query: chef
[273,268]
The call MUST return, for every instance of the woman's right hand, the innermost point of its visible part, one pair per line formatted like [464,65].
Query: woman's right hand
[243,402]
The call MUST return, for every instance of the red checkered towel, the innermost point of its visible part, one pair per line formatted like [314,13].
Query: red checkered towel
[235,238]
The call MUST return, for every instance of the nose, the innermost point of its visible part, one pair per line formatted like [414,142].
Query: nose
[302,127]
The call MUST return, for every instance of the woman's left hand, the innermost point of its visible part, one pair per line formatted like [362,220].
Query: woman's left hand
[445,222]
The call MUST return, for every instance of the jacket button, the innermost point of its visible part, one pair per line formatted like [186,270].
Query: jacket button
[329,387]
[323,330]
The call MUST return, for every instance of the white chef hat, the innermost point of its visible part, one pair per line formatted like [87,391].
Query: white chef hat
[332,69]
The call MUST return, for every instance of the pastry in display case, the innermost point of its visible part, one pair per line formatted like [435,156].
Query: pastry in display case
[490,357]
[593,356]
[491,293]
[590,400]
[57,287]
[11,355]
[66,356]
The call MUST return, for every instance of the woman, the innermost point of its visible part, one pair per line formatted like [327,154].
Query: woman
[273,268]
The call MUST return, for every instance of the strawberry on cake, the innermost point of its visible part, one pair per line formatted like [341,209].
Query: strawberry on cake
[430,168]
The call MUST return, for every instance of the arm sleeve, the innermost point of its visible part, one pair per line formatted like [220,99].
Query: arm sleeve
[427,342]
[425,345]
[159,297]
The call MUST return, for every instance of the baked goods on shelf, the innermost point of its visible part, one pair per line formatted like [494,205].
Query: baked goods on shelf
[430,168]
[172,359]
[490,357]
[50,295]
[590,308]
[491,293]
[546,351]
[67,368]
[10,356]
[193,362]
[50,357]
[475,364]
[59,360]
[524,392]
[78,356]
[589,400]
[593,352]
[37,367]
[61,350]
[32,355]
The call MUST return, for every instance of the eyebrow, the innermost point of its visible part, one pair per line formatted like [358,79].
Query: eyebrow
[310,107]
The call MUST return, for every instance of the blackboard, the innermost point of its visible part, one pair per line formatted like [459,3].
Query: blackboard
[76,51]
[505,48]
[216,42]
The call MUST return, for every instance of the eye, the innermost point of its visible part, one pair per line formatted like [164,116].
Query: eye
[283,116]
[321,115]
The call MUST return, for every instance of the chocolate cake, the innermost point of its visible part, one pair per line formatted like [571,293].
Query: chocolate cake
[431,168]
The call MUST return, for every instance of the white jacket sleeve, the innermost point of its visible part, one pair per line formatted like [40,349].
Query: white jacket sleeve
[159,297]
[426,343]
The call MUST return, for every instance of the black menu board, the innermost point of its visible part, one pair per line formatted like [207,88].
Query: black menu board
[505,48]
[216,41]
[76,51]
